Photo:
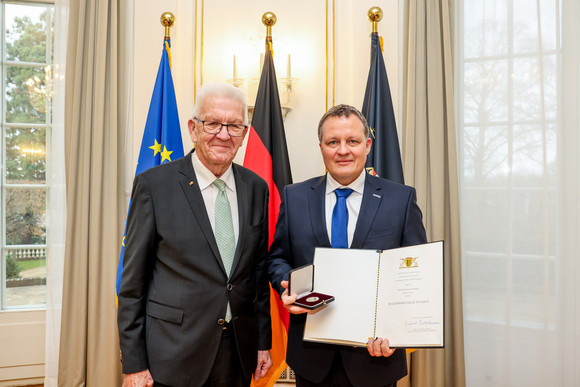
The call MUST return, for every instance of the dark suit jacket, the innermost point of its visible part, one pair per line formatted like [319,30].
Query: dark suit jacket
[389,217]
[174,288]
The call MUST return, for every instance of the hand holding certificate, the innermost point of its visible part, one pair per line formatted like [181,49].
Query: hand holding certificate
[396,294]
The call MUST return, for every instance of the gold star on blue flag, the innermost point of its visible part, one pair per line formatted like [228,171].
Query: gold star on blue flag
[155,147]
[162,130]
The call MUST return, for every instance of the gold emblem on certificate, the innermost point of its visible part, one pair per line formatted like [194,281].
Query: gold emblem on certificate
[408,262]
[312,299]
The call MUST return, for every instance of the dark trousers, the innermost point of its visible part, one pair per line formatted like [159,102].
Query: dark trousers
[336,377]
[227,369]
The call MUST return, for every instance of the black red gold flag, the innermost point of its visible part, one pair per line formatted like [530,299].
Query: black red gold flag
[267,155]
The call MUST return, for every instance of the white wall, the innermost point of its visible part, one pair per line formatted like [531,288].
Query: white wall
[22,336]
[208,34]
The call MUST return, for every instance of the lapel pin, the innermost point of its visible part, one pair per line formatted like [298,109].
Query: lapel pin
[377,196]
[191,183]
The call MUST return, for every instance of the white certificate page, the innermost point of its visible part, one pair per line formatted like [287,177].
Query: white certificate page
[410,296]
[350,276]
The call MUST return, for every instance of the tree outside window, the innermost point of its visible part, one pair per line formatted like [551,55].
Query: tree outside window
[26,126]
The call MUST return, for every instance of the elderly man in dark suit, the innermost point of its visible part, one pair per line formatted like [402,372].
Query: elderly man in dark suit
[381,215]
[194,297]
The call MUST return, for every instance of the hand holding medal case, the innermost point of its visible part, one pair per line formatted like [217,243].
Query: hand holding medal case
[301,282]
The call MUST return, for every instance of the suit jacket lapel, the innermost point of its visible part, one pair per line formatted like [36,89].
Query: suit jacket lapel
[372,198]
[316,198]
[190,187]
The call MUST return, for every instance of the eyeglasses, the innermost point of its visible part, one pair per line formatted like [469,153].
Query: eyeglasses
[210,127]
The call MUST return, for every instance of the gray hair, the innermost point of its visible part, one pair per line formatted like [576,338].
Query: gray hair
[343,111]
[220,90]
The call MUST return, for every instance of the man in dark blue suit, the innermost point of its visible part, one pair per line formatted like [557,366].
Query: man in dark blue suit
[381,215]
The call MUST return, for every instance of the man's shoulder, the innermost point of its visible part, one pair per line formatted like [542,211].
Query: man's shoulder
[162,170]
[385,184]
[247,174]
[306,185]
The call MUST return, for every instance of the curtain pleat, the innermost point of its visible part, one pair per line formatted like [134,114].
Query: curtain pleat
[430,165]
[94,138]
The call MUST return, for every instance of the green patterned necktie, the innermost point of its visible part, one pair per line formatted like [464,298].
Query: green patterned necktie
[224,231]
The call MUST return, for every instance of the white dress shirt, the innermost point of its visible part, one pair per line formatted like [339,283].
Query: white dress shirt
[353,203]
[205,179]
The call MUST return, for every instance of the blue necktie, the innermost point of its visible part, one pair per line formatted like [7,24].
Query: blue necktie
[339,234]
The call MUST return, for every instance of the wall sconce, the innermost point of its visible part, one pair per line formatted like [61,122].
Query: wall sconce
[287,94]
[286,87]
[237,82]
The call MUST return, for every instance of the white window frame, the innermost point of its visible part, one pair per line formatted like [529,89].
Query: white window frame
[22,331]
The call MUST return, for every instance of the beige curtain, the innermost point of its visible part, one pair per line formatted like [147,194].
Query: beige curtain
[89,352]
[430,165]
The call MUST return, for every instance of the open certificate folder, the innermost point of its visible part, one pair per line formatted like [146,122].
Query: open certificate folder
[395,294]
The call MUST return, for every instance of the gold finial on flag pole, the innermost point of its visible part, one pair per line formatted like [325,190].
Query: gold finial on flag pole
[167,21]
[269,19]
[375,15]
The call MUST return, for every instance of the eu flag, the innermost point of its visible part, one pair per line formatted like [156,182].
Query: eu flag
[384,158]
[162,135]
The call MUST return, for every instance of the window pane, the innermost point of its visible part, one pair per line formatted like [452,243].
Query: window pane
[25,216]
[485,151]
[550,87]
[484,286]
[25,155]
[486,91]
[491,209]
[528,155]
[526,22]
[26,33]
[535,155]
[525,27]
[531,220]
[485,28]
[26,94]
[549,22]
[527,77]
[25,278]
[533,285]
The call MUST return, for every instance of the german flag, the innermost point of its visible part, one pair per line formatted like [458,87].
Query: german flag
[267,155]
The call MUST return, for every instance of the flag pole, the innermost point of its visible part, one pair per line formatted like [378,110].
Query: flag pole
[375,15]
[269,19]
[167,21]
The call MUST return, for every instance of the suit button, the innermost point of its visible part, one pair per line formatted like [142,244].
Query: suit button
[229,287]
[221,321]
